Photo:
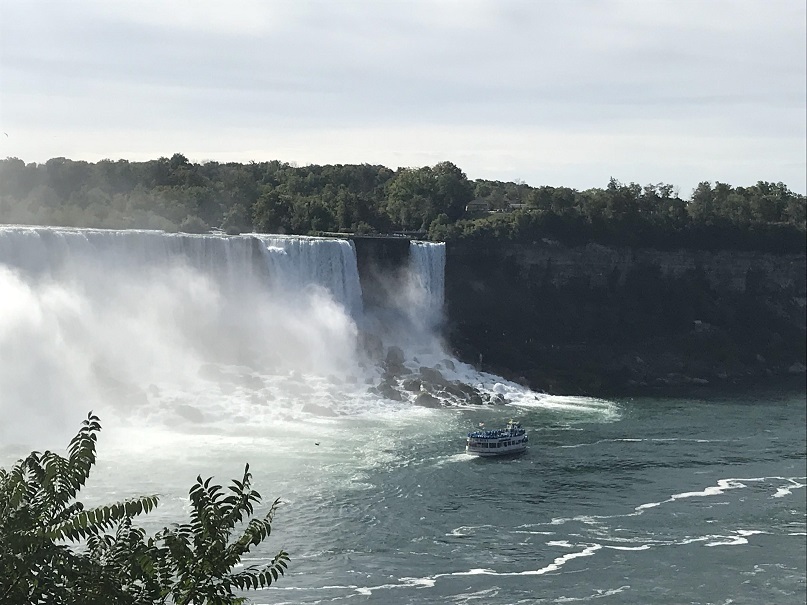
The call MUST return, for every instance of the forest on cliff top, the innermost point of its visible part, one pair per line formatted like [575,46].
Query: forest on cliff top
[438,202]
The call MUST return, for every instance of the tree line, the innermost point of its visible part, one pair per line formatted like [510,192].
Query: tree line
[438,201]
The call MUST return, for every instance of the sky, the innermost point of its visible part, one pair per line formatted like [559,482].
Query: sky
[548,92]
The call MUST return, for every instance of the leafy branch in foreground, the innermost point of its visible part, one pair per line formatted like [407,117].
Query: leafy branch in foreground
[185,563]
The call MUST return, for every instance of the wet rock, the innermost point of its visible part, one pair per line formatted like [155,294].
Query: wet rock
[461,393]
[464,393]
[475,399]
[469,390]
[394,362]
[456,392]
[388,391]
[432,376]
[427,400]
[412,385]
[397,372]
[395,356]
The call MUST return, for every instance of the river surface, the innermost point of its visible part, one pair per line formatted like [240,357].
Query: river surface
[635,501]
[203,353]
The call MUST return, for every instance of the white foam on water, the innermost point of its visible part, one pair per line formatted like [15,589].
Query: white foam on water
[556,565]
[723,485]
[739,539]
[598,594]
[787,490]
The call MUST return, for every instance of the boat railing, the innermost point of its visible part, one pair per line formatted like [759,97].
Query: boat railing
[497,433]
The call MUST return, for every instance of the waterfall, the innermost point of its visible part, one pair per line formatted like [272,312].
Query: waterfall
[146,321]
[427,267]
[226,333]
[289,263]
[298,262]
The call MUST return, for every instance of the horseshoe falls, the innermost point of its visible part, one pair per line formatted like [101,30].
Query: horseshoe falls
[201,353]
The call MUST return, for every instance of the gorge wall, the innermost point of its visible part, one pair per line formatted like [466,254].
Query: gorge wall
[600,320]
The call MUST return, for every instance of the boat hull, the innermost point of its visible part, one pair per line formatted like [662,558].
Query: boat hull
[497,442]
[497,452]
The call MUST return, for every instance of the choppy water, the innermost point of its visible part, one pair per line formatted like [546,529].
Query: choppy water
[639,501]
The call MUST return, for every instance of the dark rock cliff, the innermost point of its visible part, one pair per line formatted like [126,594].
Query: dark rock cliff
[600,320]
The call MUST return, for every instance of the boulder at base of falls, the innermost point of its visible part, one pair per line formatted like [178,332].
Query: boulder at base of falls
[427,401]
[432,376]
[412,385]
[395,356]
[387,390]
[463,393]
[499,399]
[447,364]
[394,361]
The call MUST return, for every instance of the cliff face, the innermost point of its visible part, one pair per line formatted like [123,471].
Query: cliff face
[601,320]
[597,265]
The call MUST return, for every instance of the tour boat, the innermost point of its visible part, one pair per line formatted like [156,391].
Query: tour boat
[497,442]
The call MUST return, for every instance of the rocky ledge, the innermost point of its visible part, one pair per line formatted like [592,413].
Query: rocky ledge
[604,321]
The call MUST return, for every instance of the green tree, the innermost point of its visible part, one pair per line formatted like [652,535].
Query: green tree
[417,196]
[408,194]
[193,562]
[453,191]
[193,224]
[272,212]
[702,206]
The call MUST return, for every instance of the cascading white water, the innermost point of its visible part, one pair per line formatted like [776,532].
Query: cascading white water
[302,261]
[427,261]
[149,324]
[214,332]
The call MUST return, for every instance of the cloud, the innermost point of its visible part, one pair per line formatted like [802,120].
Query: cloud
[278,73]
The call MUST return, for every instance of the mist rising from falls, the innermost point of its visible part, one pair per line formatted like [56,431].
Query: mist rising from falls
[191,331]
